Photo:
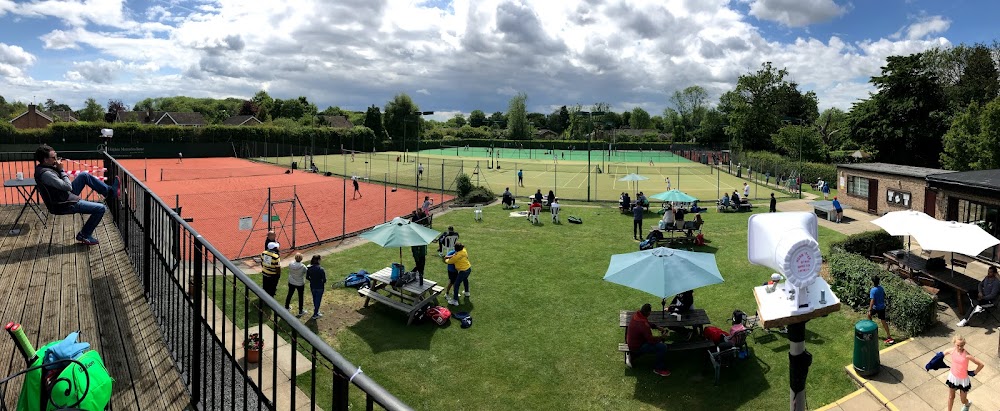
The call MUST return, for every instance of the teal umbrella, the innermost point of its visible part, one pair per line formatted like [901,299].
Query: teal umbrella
[674,196]
[400,232]
[663,271]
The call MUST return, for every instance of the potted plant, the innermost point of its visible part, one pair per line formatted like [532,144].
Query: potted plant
[253,344]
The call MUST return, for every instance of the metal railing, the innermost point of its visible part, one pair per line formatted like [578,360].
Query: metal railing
[198,297]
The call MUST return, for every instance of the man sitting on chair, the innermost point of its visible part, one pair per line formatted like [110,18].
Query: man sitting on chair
[508,198]
[535,208]
[63,197]
[443,238]
[987,293]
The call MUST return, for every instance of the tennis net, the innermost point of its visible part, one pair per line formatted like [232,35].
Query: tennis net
[180,174]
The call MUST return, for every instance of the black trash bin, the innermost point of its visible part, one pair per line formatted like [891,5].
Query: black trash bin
[295,165]
[866,360]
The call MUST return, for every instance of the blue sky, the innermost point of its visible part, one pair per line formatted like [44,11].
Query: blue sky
[457,56]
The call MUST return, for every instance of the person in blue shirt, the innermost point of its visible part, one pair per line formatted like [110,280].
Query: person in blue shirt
[838,208]
[876,307]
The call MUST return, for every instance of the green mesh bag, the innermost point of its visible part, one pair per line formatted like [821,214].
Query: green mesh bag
[70,386]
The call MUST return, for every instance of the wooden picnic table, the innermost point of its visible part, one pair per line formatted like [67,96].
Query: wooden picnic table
[959,282]
[411,297]
[827,207]
[695,318]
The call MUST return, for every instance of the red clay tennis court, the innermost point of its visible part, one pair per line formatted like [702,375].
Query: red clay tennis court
[218,192]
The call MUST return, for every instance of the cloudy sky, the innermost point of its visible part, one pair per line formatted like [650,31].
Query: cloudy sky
[461,55]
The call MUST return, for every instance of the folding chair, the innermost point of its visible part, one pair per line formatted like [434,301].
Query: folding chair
[448,244]
[478,212]
[555,214]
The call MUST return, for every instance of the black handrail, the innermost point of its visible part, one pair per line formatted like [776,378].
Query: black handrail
[345,373]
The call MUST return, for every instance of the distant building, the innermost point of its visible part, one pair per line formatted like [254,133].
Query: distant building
[545,134]
[35,118]
[337,121]
[242,121]
[161,118]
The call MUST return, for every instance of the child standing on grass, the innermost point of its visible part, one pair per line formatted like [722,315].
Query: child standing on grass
[296,282]
[959,375]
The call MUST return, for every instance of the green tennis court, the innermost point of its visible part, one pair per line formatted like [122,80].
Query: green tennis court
[507,153]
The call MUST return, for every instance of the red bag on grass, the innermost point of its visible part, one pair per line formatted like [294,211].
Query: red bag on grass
[438,314]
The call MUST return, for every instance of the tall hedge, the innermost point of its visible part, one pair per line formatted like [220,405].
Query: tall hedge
[909,307]
[766,161]
[134,133]
[868,243]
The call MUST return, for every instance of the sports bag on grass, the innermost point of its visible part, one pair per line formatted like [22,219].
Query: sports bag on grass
[357,280]
[575,220]
[463,317]
[438,314]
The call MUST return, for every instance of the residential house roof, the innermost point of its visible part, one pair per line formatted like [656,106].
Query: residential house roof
[241,121]
[173,118]
[338,121]
[51,116]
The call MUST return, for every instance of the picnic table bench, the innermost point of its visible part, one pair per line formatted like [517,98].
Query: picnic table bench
[915,264]
[827,207]
[745,205]
[695,318]
[412,296]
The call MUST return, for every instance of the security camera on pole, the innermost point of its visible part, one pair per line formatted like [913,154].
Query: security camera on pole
[787,243]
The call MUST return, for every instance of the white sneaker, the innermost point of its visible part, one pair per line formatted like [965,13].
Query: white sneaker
[967,406]
[467,294]
[978,309]
[963,322]
[452,302]
[302,312]
[628,360]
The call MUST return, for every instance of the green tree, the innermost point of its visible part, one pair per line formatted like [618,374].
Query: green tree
[760,104]
[639,119]
[627,118]
[114,106]
[92,111]
[264,103]
[558,121]
[457,121]
[713,128]
[979,82]
[907,118]
[373,120]
[518,127]
[832,128]
[398,117]
[973,141]
[498,119]
[477,118]
[791,139]
[51,105]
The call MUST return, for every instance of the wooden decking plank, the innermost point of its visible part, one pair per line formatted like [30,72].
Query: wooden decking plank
[114,353]
[86,313]
[26,292]
[151,354]
[69,318]
[15,249]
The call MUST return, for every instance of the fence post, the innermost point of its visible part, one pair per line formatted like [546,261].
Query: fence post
[196,371]
[340,386]
[147,242]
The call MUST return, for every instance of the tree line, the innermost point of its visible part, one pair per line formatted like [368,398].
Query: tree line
[938,108]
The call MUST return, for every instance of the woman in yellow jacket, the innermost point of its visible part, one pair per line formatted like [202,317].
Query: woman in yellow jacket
[461,261]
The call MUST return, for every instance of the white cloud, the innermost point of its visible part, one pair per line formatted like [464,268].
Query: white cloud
[473,54]
[925,26]
[59,40]
[796,13]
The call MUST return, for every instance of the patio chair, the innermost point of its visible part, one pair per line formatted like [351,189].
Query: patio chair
[555,213]
[478,212]
[720,357]
[448,244]
[533,215]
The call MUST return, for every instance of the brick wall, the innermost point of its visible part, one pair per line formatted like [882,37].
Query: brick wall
[915,186]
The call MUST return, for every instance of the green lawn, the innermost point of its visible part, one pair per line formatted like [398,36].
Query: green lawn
[546,325]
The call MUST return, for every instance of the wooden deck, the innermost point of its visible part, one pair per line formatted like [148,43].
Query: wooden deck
[53,286]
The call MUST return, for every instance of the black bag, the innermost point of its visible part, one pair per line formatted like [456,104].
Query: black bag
[404,279]
[936,263]
[574,219]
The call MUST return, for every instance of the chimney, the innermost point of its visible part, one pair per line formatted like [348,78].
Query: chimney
[31,108]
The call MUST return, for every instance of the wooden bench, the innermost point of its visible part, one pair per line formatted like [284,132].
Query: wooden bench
[410,310]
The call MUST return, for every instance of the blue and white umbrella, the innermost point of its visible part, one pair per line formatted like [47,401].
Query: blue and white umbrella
[663,271]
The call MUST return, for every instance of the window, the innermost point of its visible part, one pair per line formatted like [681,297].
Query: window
[857,186]
[899,198]
[986,216]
